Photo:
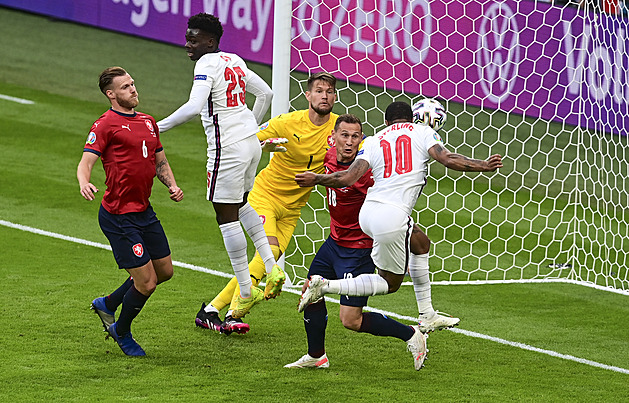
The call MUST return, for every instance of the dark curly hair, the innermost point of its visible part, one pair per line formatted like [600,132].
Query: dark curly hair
[206,23]
[398,110]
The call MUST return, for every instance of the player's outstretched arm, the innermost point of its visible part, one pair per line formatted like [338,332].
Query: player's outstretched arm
[460,162]
[335,180]
[198,97]
[165,175]
[83,174]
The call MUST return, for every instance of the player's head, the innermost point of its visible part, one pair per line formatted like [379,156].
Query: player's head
[203,35]
[321,93]
[118,87]
[398,112]
[347,134]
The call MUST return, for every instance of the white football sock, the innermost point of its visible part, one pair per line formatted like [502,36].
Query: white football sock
[236,245]
[253,225]
[361,286]
[420,274]
[209,308]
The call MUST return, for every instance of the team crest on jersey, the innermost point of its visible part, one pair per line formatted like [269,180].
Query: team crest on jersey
[264,126]
[149,125]
[331,141]
[200,77]
[263,219]
[91,138]
[437,137]
[138,250]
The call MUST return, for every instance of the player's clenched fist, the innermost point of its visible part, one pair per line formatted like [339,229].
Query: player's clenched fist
[176,193]
[306,179]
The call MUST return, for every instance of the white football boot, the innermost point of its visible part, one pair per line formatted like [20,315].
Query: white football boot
[310,362]
[436,321]
[417,346]
[312,293]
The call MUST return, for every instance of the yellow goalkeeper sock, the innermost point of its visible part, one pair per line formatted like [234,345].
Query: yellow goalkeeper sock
[276,251]
[225,296]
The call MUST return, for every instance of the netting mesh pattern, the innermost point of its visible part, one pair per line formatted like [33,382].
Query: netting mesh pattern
[544,86]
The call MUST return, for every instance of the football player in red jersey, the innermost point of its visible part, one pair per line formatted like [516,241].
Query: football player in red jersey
[128,145]
[347,254]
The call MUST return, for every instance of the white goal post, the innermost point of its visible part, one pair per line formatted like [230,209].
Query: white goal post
[543,85]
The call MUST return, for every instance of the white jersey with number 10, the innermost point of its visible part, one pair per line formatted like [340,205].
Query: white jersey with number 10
[226,118]
[398,157]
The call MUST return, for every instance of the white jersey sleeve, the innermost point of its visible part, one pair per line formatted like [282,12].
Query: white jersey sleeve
[198,96]
[263,94]
[398,157]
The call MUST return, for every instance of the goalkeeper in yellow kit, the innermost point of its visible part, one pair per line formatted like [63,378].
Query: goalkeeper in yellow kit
[276,197]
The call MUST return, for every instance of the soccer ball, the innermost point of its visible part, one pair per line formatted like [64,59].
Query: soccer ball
[429,112]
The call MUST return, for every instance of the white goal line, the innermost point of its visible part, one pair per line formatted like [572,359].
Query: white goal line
[530,281]
[297,291]
[15,99]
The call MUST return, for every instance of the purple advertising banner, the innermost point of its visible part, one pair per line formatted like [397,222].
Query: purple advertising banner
[248,24]
[557,63]
[528,57]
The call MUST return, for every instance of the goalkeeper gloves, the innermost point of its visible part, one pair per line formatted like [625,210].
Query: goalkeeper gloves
[273,145]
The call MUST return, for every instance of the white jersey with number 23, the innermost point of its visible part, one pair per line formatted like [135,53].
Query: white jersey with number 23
[226,118]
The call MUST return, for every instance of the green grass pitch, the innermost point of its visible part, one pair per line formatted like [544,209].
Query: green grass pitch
[53,347]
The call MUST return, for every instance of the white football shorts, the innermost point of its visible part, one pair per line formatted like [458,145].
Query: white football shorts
[231,170]
[390,228]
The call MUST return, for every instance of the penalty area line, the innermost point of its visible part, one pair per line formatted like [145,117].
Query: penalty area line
[15,99]
[297,291]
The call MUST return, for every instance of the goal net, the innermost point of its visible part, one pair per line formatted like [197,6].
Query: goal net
[543,85]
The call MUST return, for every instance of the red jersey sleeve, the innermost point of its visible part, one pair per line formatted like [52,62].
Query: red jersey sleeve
[98,137]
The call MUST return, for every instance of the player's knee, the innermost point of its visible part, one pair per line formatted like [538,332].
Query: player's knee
[351,317]
[164,276]
[146,287]
[163,269]
[394,283]
[351,325]
[420,248]
[420,243]
[393,287]
[351,322]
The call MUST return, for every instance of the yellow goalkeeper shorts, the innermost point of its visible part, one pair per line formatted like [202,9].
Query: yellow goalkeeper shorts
[278,221]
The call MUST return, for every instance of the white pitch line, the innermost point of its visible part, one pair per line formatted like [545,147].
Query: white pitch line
[297,291]
[18,100]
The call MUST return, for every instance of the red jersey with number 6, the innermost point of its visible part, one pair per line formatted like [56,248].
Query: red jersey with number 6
[126,144]
[344,205]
